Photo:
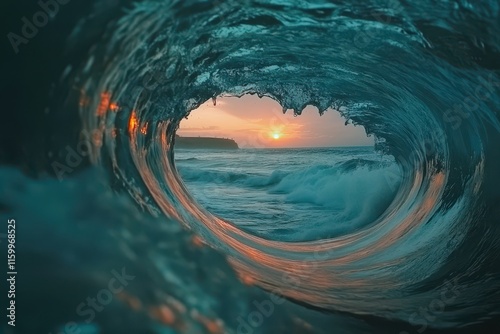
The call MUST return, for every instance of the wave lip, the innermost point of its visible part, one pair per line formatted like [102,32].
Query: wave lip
[381,66]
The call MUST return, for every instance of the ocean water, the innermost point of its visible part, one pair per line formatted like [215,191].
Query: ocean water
[401,240]
[292,194]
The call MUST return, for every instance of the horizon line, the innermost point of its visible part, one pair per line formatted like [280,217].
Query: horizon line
[302,147]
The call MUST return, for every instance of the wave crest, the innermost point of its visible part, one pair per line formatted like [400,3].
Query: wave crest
[434,110]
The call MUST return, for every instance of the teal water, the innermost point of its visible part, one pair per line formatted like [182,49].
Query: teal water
[292,194]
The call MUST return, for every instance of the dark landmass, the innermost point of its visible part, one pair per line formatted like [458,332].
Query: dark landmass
[205,143]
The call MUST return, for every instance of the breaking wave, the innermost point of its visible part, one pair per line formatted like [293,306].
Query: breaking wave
[421,77]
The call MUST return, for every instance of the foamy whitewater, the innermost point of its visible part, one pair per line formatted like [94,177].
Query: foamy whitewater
[259,190]
[404,239]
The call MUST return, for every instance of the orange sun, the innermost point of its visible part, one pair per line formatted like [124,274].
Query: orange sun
[276,135]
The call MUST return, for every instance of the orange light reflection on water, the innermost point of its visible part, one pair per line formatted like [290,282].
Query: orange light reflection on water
[321,273]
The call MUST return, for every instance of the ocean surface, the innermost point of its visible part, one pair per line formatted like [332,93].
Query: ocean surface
[292,194]
[402,240]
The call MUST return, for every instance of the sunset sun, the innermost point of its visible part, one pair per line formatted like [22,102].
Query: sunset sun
[276,135]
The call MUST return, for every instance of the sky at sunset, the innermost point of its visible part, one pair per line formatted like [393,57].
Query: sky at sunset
[256,123]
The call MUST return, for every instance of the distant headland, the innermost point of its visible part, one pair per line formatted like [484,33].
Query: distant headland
[205,143]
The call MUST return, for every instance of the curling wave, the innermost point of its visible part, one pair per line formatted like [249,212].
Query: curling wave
[421,77]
